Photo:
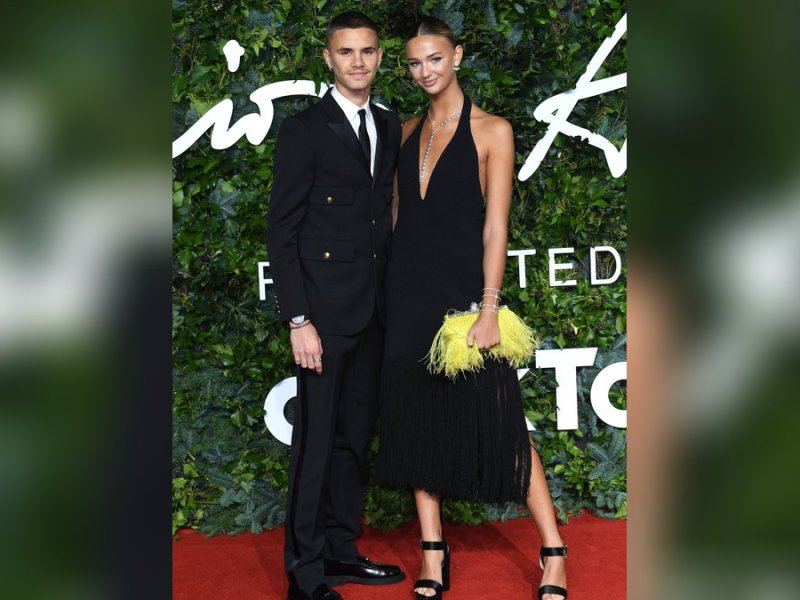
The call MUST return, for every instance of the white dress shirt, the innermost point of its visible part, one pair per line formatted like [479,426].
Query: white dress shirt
[350,110]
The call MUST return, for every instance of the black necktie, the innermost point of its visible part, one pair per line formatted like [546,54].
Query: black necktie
[363,137]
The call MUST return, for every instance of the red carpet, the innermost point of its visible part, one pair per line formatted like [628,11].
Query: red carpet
[495,561]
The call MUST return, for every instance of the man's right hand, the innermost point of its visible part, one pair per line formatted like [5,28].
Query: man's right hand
[306,347]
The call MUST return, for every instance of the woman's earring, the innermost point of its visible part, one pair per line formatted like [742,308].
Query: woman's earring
[456,68]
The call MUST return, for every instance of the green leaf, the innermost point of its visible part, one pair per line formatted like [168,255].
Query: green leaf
[179,85]
[620,324]
[184,258]
[226,499]
[199,73]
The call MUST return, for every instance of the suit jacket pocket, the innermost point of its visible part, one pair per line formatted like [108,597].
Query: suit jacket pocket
[327,250]
[332,196]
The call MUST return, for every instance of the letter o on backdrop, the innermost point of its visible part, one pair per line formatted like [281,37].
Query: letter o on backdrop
[601,404]
[274,405]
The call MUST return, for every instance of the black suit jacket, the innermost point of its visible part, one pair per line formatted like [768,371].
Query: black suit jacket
[329,220]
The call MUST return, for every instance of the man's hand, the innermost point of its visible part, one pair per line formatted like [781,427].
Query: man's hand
[306,347]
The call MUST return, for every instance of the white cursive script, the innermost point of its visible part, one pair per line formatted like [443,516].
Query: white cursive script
[233,53]
[556,110]
[254,126]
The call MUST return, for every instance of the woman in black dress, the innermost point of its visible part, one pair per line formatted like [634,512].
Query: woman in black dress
[464,438]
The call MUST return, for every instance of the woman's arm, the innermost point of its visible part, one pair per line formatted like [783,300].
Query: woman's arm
[499,178]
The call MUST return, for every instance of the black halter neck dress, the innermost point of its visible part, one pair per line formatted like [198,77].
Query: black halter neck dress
[464,439]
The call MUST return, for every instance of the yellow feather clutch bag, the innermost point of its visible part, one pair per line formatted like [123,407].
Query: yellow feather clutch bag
[450,354]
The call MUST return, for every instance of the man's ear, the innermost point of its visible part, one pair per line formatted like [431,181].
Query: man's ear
[326,54]
[380,56]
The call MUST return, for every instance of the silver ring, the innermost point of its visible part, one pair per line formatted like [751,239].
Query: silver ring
[317,360]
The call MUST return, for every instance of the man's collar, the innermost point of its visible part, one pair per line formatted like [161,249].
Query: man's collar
[349,107]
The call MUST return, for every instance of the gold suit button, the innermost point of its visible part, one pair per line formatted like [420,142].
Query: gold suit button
[326,255]
[329,199]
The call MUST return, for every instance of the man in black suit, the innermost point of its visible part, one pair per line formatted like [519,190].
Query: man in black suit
[328,241]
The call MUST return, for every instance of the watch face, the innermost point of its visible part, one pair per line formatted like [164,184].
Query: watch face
[298,320]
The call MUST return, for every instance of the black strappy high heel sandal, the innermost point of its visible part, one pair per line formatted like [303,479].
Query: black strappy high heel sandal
[437,587]
[552,589]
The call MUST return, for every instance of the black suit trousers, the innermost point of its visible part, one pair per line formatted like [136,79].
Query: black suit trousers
[334,421]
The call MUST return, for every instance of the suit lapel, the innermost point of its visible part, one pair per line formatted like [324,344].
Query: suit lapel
[380,126]
[338,123]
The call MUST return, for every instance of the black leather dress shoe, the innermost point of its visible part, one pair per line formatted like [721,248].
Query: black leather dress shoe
[322,592]
[362,571]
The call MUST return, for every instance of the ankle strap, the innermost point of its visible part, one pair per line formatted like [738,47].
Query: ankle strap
[554,551]
[432,545]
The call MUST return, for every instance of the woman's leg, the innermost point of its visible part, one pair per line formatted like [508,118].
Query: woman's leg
[541,507]
[430,524]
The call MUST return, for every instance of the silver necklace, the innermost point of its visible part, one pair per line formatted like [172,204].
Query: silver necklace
[430,140]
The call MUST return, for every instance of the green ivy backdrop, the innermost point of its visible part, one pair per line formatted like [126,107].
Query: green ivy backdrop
[230,474]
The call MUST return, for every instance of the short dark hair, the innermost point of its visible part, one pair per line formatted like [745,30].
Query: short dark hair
[432,26]
[352,19]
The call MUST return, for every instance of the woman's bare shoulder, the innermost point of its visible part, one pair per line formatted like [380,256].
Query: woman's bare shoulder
[489,125]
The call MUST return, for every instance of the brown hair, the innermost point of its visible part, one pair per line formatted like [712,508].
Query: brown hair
[352,19]
[432,26]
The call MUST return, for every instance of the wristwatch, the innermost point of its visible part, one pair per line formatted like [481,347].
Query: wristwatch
[298,320]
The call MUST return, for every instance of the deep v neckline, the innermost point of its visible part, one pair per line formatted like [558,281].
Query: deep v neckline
[441,156]
[432,171]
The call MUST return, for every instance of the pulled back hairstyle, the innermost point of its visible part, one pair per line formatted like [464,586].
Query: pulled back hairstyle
[432,26]
[352,19]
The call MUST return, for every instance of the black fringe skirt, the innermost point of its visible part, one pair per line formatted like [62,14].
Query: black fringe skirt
[464,439]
